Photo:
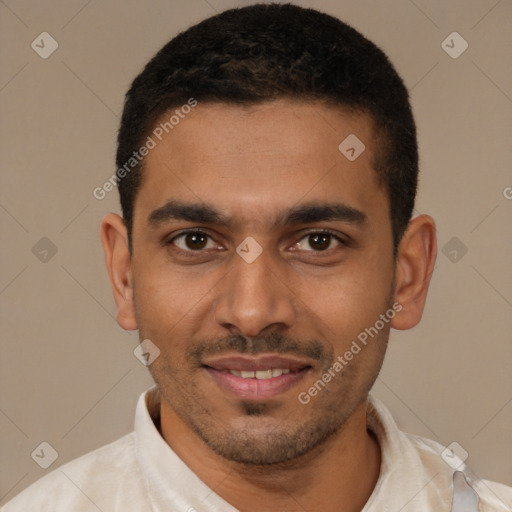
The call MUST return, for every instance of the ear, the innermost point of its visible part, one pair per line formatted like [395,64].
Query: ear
[114,238]
[414,266]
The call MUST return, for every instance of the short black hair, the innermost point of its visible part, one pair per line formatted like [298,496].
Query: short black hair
[265,52]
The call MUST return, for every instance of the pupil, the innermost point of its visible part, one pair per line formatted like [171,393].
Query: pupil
[319,241]
[195,240]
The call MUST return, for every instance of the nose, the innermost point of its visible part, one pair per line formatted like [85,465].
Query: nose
[254,298]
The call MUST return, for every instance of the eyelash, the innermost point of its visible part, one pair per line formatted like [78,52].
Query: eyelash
[191,253]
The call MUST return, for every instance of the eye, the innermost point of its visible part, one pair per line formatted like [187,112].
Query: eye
[193,241]
[319,241]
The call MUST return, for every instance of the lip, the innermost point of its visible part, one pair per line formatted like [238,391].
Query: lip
[256,389]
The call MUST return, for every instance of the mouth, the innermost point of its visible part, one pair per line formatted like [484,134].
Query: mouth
[256,378]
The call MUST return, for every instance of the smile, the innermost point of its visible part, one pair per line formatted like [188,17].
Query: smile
[256,378]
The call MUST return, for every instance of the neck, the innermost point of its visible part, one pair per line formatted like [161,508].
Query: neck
[338,476]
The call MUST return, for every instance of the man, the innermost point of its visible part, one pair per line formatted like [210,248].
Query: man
[267,167]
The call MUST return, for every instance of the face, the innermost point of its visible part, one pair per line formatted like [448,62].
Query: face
[260,253]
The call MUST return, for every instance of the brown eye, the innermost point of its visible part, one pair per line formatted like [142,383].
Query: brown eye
[191,241]
[318,242]
[195,241]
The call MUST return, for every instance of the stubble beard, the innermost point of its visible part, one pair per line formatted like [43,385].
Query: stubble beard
[285,440]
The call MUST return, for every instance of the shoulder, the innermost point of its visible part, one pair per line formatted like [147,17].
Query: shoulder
[417,473]
[495,496]
[101,479]
[492,496]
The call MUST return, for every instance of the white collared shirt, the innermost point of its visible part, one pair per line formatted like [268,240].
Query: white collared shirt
[140,472]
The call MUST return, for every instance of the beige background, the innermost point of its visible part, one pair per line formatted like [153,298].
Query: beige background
[68,373]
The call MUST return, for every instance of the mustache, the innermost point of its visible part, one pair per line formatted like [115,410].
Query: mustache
[272,342]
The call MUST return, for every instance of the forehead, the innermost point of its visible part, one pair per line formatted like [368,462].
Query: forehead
[252,162]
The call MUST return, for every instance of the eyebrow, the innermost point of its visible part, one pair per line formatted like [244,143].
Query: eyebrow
[302,214]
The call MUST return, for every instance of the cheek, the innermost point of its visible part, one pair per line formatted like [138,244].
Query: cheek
[348,300]
[352,288]
[166,298]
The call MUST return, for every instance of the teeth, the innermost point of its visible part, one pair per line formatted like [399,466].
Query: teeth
[264,374]
[260,374]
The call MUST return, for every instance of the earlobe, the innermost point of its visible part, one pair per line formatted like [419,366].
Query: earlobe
[114,238]
[414,266]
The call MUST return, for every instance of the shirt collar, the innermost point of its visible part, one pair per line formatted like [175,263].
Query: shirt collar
[168,480]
